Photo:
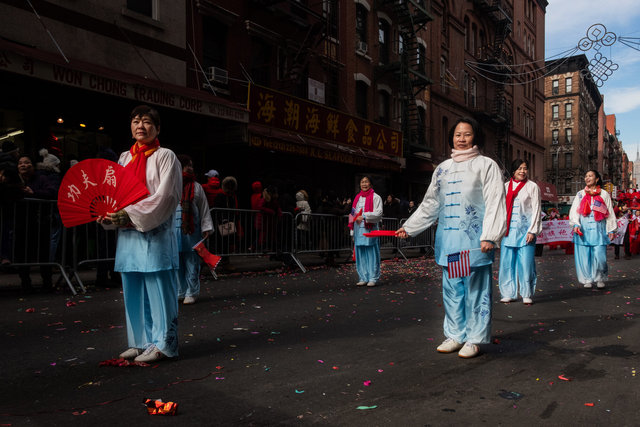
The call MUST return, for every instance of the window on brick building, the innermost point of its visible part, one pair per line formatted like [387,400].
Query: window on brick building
[554,136]
[361,23]
[330,12]
[421,59]
[567,135]
[467,33]
[383,41]
[361,99]
[144,7]
[567,111]
[568,85]
[555,84]
[567,186]
[567,160]
[214,43]
[555,112]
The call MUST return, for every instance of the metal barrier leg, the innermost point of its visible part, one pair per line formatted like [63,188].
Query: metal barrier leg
[66,279]
[300,266]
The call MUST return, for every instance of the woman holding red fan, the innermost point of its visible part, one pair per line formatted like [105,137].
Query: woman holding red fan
[594,224]
[147,249]
[366,213]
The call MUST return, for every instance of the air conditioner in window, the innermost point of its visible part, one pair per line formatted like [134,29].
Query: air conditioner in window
[554,141]
[362,47]
[218,75]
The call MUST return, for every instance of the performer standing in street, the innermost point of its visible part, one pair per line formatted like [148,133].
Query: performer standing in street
[147,249]
[366,213]
[518,247]
[193,221]
[594,224]
[466,197]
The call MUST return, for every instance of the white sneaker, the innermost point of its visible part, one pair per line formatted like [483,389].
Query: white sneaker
[151,354]
[130,353]
[361,283]
[600,284]
[588,285]
[527,300]
[449,346]
[506,300]
[469,350]
[189,300]
[371,284]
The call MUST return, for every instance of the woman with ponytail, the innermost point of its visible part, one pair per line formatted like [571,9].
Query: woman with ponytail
[517,250]
[594,224]
[366,213]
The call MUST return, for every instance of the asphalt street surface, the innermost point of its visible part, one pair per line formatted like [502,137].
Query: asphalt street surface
[281,347]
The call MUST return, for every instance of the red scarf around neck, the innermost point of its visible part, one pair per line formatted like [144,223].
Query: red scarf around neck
[599,208]
[139,155]
[188,180]
[511,195]
[368,206]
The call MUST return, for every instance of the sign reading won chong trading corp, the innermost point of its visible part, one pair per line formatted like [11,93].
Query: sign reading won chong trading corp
[34,63]
[275,109]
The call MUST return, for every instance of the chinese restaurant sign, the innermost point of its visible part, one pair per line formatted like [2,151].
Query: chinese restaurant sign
[275,109]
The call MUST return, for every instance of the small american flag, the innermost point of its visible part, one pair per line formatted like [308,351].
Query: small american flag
[458,264]
[598,206]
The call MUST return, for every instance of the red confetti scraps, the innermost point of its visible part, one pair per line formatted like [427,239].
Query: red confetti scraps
[563,378]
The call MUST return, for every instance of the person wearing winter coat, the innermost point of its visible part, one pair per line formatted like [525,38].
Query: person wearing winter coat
[212,186]
[303,209]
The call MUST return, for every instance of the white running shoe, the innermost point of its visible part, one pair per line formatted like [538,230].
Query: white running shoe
[469,350]
[527,300]
[600,284]
[588,285]
[449,346]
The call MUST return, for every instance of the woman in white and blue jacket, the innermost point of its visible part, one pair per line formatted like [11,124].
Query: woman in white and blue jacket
[466,197]
[594,224]
[518,247]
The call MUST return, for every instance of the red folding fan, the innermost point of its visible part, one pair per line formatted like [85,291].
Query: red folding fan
[95,187]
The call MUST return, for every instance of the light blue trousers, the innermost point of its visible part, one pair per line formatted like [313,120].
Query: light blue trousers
[189,275]
[467,306]
[591,263]
[517,265]
[368,263]
[151,306]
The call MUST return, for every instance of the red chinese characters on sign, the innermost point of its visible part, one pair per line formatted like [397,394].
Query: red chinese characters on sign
[270,108]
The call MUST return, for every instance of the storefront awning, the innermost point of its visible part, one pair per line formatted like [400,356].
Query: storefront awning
[292,143]
[51,67]
[548,192]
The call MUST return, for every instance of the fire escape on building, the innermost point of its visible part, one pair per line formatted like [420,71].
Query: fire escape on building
[497,62]
[409,70]
[299,45]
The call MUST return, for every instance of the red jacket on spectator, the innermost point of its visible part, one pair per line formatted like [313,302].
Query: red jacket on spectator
[212,189]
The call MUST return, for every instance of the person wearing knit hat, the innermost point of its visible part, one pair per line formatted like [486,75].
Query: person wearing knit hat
[212,173]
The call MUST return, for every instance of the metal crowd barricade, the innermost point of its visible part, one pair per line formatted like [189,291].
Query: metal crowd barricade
[31,234]
[91,244]
[426,240]
[324,233]
[243,232]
